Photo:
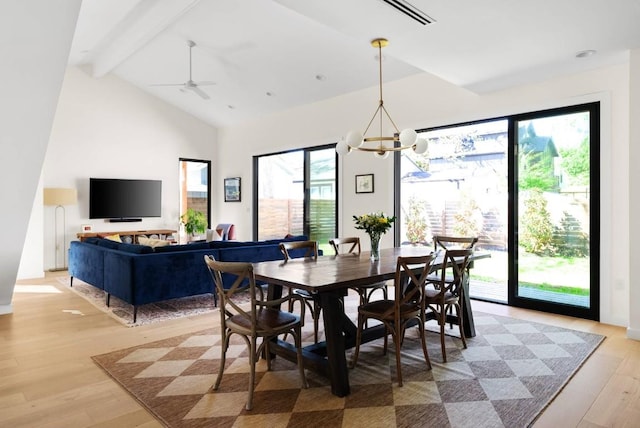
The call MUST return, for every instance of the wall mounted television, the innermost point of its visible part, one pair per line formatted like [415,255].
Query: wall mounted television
[124,200]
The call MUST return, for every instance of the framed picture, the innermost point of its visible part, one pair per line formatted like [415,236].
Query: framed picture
[364,183]
[86,228]
[232,189]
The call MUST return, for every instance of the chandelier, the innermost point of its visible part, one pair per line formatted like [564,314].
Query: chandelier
[407,139]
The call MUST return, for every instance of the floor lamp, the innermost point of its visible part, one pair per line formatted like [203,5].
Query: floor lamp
[59,197]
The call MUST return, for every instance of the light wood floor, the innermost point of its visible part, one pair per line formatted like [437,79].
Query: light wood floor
[48,379]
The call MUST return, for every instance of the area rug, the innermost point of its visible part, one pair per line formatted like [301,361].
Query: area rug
[506,377]
[147,314]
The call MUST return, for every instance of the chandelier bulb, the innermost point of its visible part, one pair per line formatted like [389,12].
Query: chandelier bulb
[408,137]
[421,146]
[381,154]
[354,139]
[342,148]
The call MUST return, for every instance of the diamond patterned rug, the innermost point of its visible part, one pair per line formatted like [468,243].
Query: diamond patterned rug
[508,374]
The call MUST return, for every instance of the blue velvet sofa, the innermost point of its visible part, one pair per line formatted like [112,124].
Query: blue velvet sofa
[139,274]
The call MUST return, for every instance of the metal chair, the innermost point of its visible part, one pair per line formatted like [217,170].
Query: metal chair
[408,304]
[307,249]
[262,318]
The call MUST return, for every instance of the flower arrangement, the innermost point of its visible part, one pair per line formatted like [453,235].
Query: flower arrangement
[376,225]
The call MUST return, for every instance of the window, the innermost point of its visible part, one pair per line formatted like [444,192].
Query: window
[296,194]
[195,186]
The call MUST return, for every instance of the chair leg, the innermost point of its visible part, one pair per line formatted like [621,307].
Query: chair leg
[397,339]
[223,357]
[424,342]
[442,321]
[461,324]
[356,352]
[298,340]
[252,372]
[315,312]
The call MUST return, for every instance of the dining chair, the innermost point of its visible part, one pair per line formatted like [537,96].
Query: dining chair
[408,304]
[308,249]
[260,319]
[442,243]
[446,291]
[352,245]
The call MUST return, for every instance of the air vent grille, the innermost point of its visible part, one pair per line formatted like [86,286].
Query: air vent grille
[410,10]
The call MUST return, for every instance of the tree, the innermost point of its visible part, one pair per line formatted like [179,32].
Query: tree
[537,230]
[575,163]
[416,222]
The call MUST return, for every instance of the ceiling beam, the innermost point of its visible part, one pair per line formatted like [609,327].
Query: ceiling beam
[145,21]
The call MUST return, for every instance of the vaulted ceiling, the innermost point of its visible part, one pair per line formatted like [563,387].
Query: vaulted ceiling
[262,56]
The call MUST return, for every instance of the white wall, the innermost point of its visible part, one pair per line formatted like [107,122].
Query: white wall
[35,40]
[422,101]
[634,192]
[107,128]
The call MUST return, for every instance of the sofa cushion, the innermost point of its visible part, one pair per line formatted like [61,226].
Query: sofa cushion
[92,240]
[135,249]
[151,242]
[107,243]
[184,247]
[115,238]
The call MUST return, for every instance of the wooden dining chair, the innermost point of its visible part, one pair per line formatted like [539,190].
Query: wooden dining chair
[408,304]
[308,249]
[446,291]
[261,319]
[443,243]
[352,245]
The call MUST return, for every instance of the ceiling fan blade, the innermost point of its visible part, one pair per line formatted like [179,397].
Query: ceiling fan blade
[199,91]
[205,83]
[167,84]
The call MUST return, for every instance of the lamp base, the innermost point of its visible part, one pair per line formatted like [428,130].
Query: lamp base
[60,269]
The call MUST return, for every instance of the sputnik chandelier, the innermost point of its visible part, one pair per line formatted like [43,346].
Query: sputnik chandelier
[408,138]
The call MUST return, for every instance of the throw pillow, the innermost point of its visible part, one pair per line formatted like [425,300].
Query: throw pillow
[115,237]
[153,243]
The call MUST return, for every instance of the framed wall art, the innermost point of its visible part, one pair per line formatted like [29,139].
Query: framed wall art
[364,183]
[232,189]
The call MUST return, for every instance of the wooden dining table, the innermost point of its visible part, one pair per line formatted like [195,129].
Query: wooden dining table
[329,278]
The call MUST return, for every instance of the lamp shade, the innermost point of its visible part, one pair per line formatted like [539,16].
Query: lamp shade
[60,196]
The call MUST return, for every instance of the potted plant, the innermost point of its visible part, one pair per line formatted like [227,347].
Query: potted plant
[193,221]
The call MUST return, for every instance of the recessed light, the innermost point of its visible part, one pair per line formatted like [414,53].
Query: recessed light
[586,53]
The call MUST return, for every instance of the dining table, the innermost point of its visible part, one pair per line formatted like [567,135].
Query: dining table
[329,279]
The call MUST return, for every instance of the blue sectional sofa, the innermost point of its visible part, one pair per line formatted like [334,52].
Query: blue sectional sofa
[139,274]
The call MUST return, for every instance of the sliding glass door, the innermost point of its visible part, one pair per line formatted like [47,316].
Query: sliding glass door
[527,187]
[555,171]
[296,194]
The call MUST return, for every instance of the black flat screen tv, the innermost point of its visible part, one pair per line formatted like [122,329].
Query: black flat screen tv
[124,200]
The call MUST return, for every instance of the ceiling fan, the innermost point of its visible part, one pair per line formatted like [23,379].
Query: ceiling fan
[190,85]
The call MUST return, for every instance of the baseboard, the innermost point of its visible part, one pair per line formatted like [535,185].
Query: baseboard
[6,309]
[633,333]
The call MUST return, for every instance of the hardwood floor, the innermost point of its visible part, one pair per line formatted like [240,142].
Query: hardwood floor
[47,377]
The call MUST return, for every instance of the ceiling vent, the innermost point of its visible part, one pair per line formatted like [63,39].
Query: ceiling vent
[410,10]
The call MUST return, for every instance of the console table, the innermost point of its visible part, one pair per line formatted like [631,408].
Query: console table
[162,234]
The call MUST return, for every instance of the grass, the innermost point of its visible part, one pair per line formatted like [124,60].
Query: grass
[569,275]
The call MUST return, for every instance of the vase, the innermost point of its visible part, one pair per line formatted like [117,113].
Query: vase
[375,246]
